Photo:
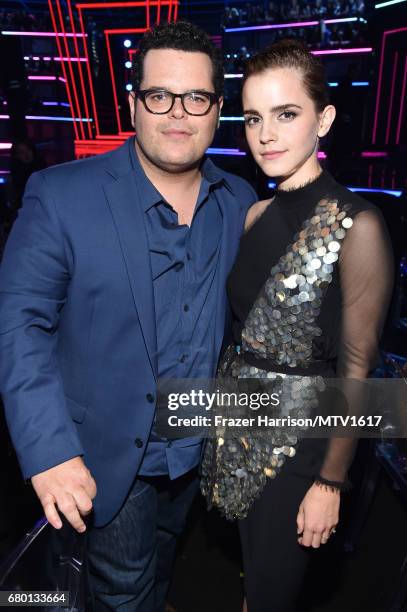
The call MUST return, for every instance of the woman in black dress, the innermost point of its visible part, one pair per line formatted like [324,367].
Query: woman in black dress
[309,292]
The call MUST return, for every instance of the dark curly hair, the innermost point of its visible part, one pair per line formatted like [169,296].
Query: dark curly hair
[183,36]
[292,53]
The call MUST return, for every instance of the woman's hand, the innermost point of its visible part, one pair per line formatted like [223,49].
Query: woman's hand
[318,514]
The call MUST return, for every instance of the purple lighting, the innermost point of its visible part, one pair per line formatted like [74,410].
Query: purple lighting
[51,34]
[297,24]
[343,51]
[374,154]
[218,151]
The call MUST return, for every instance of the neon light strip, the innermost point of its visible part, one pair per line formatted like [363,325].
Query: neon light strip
[5,145]
[392,192]
[341,20]
[100,5]
[396,58]
[47,58]
[231,118]
[82,80]
[295,24]
[383,4]
[68,89]
[70,35]
[126,31]
[42,78]
[379,84]
[402,99]
[92,93]
[69,59]
[78,111]
[331,84]
[116,103]
[65,104]
[49,118]
[215,151]
[397,193]
[274,26]
[373,154]
[343,51]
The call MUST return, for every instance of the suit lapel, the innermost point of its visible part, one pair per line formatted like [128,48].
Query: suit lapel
[122,197]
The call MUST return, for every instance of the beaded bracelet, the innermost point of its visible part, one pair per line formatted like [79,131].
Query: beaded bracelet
[333,485]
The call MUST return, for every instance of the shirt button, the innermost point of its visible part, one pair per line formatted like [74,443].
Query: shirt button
[186,307]
[150,398]
[183,358]
[138,442]
[189,256]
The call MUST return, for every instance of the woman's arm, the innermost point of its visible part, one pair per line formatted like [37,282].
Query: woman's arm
[366,276]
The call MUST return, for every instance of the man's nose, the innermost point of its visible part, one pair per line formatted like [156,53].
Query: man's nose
[177,110]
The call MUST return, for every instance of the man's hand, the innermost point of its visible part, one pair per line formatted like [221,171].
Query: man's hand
[317,516]
[69,487]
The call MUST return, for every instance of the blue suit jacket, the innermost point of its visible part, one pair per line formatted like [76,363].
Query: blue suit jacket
[78,362]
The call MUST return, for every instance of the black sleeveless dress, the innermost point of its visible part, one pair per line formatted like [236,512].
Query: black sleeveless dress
[309,292]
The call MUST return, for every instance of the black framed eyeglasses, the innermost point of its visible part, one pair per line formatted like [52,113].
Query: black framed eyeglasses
[161,101]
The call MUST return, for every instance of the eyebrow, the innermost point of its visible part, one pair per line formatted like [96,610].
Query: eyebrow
[195,90]
[274,109]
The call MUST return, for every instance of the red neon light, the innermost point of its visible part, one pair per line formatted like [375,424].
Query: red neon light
[148,14]
[396,57]
[92,93]
[126,31]
[403,91]
[379,84]
[82,81]
[100,5]
[67,52]
[68,92]
[116,103]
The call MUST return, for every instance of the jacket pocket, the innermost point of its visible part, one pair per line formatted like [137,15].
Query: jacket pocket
[77,411]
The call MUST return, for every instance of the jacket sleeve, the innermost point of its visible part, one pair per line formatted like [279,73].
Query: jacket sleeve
[34,279]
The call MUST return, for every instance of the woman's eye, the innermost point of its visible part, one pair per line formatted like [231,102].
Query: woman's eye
[252,120]
[288,115]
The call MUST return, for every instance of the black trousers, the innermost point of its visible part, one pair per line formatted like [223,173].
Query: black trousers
[274,563]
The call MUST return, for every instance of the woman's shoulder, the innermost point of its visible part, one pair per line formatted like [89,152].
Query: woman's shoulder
[255,212]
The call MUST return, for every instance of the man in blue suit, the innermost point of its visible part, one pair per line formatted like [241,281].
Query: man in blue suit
[114,276]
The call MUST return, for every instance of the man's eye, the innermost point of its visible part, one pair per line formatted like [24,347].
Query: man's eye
[252,120]
[197,98]
[159,96]
[288,115]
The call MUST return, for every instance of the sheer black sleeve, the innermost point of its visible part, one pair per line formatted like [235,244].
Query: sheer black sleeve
[366,278]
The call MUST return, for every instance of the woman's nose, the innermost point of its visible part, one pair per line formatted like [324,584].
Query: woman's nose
[268,132]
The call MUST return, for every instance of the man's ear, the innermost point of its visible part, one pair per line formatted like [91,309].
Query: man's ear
[132,104]
[219,111]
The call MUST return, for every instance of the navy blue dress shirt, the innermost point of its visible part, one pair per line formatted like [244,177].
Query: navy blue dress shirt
[184,263]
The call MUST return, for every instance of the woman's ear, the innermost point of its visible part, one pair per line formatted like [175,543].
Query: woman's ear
[326,118]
